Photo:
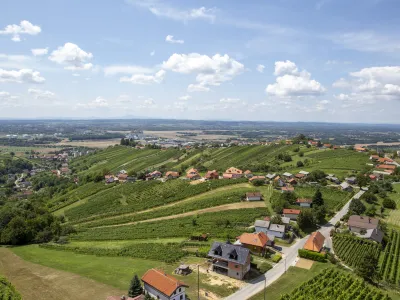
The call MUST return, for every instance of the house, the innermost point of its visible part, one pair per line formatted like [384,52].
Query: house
[300,176]
[292,214]
[171,175]
[373,177]
[287,189]
[276,230]
[303,202]
[123,172]
[304,173]
[233,173]
[327,145]
[374,157]
[255,242]
[130,179]
[285,220]
[315,242]
[346,187]
[278,181]
[230,260]
[212,175]
[160,285]
[287,175]
[253,196]
[372,234]
[351,180]
[386,167]
[109,179]
[122,177]
[332,178]
[271,176]
[359,223]
[262,178]
[261,226]
[292,181]
[193,174]
[248,174]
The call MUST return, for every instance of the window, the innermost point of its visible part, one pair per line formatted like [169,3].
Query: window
[158,297]
[181,297]
[237,274]
[236,266]
[179,290]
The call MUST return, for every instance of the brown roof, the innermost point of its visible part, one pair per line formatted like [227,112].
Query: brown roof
[257,178]
[190,176]
[192,170]
[363,222]
[303,200]
[287,188]
[161,281]
[277,178]
[122,176]
[172,173]
[247,172]
[253,194]
[315,242]
[291,211]
[227,175]
[259,239]
[233,170]
[390,167]
[211,174]
[299,175]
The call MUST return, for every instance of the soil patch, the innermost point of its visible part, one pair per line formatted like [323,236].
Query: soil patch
[304,263]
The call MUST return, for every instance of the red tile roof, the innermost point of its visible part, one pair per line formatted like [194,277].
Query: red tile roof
[315,242]
[303,200]
[162,282]
[233,170]
[390,167]
[259,239]
[299,175]
[212,173]
[172,173]
[287,188]
[257,178]
[247,172]
[192,170]
[291,211]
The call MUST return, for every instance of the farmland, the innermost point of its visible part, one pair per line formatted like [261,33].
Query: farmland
[389,262]
[351,250]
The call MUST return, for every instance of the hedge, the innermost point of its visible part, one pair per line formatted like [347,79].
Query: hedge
[312,255]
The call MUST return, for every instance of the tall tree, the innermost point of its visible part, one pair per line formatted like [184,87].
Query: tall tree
[368,267]
[357,207]
[306,219]
[135,288]
[317,198]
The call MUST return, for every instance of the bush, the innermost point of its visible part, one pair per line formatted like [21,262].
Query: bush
[312,255]
[264,267]
[276,258]
[389,203]
[300,164]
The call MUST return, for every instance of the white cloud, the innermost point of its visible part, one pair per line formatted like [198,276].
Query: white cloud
[8,100]
[16,58]
[291,82]
[126,69]
[170,39]
[211,71]
[152,53]
[72,56]
[25,27]
[145,79]
[185,98]
[21,76]
[99,102]
[40,94]
[260,68]
[229,100]
[76,74]
[40,51]
[163,10]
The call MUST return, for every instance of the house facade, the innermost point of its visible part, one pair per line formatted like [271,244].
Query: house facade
[233,173]
[212,175]
[359,223]
[292,214]
[303,202]
[315,242]
[261,226]
[172,174]
[276,230]
[162,286]
[253,196]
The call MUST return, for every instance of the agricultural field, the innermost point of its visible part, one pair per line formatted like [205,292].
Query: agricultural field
[8,291]
[394,214]
[335,284]
[351,250]
[389,265]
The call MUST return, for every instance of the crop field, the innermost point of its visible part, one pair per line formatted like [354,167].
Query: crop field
[335,284]
[339,159]
[140,196]
[8,291]
[389,261]
[394,215]
[226,223]
[351,250]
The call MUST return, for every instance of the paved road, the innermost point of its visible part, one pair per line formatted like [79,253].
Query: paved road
[257,285]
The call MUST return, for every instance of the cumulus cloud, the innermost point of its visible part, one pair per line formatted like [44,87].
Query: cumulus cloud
[25,27]
[185,98]
[229,100]
[8,100]
[170,39]
[39,51]
[73,57]
[21,76]
[125,69]
[145,79]
[99,102]
[292,82]
[260,68]
[211,71]
[41,94]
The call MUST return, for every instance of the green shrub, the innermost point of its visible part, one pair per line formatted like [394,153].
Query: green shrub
[276,258]
[312,255]
[264,267]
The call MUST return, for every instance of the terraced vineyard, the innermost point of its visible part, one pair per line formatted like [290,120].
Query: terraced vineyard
[389,261]
[7,291]
[351,250]
[227,223]
[339,159]
[333,284]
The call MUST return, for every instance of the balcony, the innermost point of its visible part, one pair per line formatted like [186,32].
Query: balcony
[220,263]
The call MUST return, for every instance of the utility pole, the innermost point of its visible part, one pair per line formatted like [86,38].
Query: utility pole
[265,286]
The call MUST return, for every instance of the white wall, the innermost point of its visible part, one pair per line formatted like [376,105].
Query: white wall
[154,293]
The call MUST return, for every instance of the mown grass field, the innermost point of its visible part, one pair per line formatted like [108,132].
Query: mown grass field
[394,215]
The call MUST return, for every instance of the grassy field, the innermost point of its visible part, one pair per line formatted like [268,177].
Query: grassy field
[394,215]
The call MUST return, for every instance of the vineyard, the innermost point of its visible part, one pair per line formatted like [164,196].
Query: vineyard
[339,159]
[333,284]
[351,250]
[333,198]
[7,291]
[226,223]
[389,262]
[139,196]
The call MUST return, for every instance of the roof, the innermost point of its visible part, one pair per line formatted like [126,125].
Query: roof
[391,167]
[233,170]
[155,172]
[172,173]
[299,175]
[287,188]
[192,175]
[253,194]
[373,234]
[372,176]
[227,249]
[259,239]
[261,223]
[247,172]
[192,170]
[287,174]
[292,180]
[363,222]
[304,172]
[303,200]
[315,242]
[122,176]
[211,173]
[277,227]
[161,281]
[292,211]
[270,176]
[257,178]
[285,220]
[344,185]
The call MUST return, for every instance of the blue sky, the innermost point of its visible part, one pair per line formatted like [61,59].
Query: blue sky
[282,60]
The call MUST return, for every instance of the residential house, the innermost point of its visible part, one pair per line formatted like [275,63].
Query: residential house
[130,179]
[303,202]
[248,174]
[304,173]
[253,196]
[163,286]
[292,214]
[109,179]
[360,149]
[287,175]
[299,176]
[262,178]
[276,230]
[171,175]
[261,226]
[285,220]
[386,167]
[346,187]
[315,242]
[233,173]
[358,223]
[230,260]
[212,175]
[292,181]
[374,157]
[373,234]
[278,181]
[333,179]
[255,242]
[193,174]
[122,177]
[351,180]
[327,145]
[287,189]
[123,172]
[270,176]
[373,177]
[155,174]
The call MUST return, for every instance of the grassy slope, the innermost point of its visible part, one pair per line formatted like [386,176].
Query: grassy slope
[394,215]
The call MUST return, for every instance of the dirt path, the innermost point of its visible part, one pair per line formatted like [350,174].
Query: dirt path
[190,199]
[239,205]
[39,282]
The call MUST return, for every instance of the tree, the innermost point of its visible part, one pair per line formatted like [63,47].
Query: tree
[276,219]
[357,207]
[317,198]
[300,164]
[258,182]
[135,288]
[306,219]
[148,297]
[368,267]
[389,203]
[319,214]
[301,153]
[369,197]
[362,180]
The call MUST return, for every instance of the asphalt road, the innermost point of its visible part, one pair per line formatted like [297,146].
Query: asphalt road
[257,285]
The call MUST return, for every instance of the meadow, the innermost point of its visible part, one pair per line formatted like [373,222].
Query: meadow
[394,215]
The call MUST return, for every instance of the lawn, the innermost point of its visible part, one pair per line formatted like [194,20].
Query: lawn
[120,244]
[394,215]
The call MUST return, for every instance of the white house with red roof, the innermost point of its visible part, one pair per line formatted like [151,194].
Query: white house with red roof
[162,286]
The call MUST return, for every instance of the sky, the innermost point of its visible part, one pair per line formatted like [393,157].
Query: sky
[261,60]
